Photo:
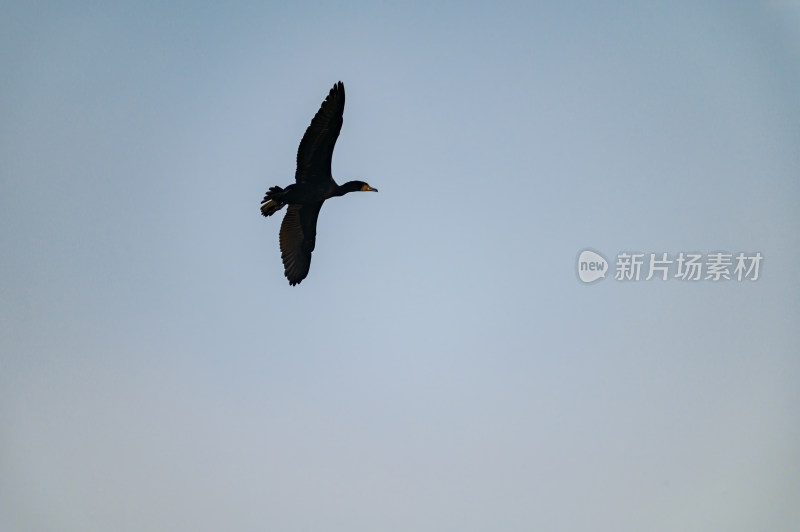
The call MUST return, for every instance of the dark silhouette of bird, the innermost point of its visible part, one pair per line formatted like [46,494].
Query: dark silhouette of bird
[314,184]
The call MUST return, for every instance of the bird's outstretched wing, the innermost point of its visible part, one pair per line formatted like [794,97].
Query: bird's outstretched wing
[316,149]
[297,238]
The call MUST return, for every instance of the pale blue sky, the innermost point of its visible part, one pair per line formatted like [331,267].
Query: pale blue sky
[441,368]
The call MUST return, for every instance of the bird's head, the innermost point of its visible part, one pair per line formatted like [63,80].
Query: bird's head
[356,186]
[365,187]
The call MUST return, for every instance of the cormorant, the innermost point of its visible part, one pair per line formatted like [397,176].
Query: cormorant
[314,184]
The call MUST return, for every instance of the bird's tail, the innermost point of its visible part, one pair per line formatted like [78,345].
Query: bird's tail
[270,204]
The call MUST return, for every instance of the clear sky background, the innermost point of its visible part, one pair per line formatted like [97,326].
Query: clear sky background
[442,368]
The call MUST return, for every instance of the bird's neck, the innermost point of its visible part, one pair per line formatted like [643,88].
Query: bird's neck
[350,186]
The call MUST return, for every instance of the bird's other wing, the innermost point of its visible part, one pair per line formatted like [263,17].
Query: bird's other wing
[316,149]
[297,238]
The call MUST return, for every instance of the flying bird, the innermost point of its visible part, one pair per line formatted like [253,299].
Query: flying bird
[314,184]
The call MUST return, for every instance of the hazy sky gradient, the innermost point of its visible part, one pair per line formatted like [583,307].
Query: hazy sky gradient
[441,368]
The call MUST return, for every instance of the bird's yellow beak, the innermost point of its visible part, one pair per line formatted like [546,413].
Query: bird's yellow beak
[367,188]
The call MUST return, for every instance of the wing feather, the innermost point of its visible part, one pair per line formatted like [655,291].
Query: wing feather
[316,149]
[298,237]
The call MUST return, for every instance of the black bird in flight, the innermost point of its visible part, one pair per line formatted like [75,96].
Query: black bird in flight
[314,184]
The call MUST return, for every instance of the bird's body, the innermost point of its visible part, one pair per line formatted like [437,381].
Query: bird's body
[314,184]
